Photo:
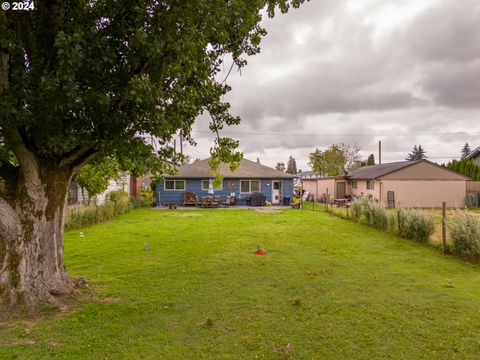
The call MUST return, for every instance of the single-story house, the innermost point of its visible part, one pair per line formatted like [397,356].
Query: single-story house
[419,183]
[250,177]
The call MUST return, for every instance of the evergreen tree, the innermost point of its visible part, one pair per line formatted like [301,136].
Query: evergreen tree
[291,165]
[470,167]
[371,160]
[280,166]
[466,150]
[418,153]
[474,175]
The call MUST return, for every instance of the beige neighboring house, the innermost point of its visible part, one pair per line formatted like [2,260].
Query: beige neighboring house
[418,183]
[475,155]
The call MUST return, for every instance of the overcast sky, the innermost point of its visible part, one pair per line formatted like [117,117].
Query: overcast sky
[404,72]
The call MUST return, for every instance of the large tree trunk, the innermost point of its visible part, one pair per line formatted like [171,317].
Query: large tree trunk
[31,236]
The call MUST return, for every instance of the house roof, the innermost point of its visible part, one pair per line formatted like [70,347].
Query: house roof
[474,154]
[375,171]
[200,169]
[378,171]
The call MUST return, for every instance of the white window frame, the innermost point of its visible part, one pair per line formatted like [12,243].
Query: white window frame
[250,186]
[373,184]
[174,185]
[354,184]
[214,188]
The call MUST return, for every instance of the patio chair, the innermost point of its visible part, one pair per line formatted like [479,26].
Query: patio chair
[216,200]
[227,201]
[189,198]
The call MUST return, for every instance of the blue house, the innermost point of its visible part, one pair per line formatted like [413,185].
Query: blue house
[249,178]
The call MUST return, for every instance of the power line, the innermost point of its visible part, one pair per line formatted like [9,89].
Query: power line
[458,133]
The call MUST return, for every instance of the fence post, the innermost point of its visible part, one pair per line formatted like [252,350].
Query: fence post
[326,200]
[398,219]
[444,227]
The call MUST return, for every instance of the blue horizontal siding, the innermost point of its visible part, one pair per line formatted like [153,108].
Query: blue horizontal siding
[165,197]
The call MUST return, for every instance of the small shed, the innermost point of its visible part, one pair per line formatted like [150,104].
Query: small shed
[419,183]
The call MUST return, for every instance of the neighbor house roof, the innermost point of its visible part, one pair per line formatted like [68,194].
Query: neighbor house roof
[474,154]
[200,169]
[375,171]
[378,171]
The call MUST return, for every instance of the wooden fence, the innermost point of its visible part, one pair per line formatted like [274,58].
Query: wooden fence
[473,186]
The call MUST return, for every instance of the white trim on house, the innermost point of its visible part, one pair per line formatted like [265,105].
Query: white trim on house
[174,185]
[279,192]
[206,188]
[250,186]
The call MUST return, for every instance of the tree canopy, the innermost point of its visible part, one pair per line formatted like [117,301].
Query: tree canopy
[416,154]
[371,159]
[335,160]
[280,166]
[466,150]
[291,165]
[466,167]
[90,79]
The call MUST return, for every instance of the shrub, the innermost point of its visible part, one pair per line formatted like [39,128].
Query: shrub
[121,201]
[416,225]
[378,217]
[356,210]
[465,233]
[392,222]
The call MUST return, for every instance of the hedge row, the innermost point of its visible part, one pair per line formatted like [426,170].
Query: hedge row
[118,202]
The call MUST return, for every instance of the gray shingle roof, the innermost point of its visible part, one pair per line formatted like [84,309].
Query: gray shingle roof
[474,154]
[375,171]
[200,169]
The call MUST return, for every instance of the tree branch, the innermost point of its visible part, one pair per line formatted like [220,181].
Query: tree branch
[26,159]
[83,159]
[73,155]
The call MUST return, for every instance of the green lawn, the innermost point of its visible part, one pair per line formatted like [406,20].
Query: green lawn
[329,287]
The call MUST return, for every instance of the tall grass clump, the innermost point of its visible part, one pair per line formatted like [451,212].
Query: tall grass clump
[356,210]
[373,214]
[378,217]
[121,201]
[415,225]
[117,203]
[465,234]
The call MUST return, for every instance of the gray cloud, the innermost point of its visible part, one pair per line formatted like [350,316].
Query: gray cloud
[403,71]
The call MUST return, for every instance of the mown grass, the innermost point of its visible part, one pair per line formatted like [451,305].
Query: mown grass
[186,285]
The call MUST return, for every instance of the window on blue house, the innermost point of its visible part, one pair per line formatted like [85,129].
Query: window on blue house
[174,185]
[205,185]
[249,186]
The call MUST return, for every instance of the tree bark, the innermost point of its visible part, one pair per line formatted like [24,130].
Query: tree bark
[31,236]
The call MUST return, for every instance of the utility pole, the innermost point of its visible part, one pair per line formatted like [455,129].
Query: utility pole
[181,142]
[379,152]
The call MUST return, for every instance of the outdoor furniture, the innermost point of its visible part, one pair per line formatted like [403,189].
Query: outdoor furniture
[256,199]
[216,200]
[189,198]
[227,201]
[207,201]
[340,202]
